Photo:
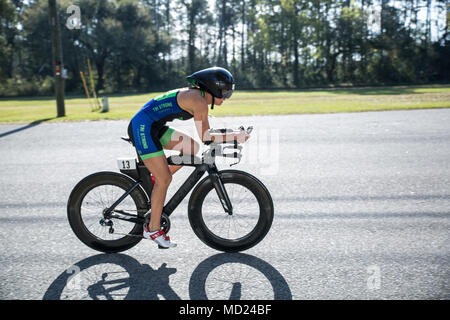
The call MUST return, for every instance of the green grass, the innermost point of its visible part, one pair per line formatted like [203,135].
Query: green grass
[243,103]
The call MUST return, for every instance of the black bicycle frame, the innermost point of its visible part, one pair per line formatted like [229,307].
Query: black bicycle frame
[142,177]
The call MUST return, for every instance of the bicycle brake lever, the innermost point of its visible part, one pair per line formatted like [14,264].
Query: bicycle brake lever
[233,164]
[235,154]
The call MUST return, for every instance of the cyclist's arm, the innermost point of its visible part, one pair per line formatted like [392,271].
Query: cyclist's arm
[202,125]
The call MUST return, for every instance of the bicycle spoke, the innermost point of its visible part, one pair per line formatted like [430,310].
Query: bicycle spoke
[96,201]
[245,213]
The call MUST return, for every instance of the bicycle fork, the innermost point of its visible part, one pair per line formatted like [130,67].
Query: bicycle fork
[220,189]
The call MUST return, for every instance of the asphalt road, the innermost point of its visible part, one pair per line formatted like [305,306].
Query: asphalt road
[362,211]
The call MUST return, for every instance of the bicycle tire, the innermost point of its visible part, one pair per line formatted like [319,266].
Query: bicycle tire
[209,237]
[75,216]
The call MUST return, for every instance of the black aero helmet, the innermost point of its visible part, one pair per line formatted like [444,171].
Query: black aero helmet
[217,81]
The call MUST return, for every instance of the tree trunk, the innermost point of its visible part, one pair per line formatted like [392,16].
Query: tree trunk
[191,39]
[384,5]
[428,23]
[295,34]
[168,30]
[100,71]
[243,38]
[295,67]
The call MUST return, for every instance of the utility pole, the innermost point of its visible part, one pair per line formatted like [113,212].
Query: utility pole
[57,58]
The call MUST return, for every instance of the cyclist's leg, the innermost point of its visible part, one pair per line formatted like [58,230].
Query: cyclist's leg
[149,148]
[160,170]
[179,141]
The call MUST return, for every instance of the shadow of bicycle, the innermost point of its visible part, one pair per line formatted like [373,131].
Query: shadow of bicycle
[237,276]
[121,277]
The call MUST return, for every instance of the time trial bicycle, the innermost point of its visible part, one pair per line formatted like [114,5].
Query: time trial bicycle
[229,210]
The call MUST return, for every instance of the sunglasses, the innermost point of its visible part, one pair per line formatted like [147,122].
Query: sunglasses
[226,93]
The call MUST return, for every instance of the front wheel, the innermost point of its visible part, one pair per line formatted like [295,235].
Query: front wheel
[251,217]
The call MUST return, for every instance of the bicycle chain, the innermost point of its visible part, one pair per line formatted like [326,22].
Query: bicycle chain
[130,235]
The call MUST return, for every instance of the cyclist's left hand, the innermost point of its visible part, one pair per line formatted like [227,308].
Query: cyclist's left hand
[242,137]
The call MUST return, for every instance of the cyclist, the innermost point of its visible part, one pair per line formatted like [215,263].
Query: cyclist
[150,135]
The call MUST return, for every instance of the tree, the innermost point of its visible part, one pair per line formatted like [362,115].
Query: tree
[195,16]
[8,35]
[351,30]
[153,44]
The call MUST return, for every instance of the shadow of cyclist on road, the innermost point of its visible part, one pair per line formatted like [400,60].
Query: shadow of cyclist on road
[118,276]
[156,281]
[110,277]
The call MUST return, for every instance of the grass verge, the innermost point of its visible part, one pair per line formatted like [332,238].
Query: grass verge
[243,103]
